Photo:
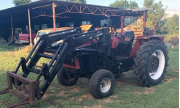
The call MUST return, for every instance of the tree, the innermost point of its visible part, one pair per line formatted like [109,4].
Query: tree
[123,4]
[75,1]
[20,2]
[154,20]
[148,3]
[81,1]
[133,5]
[171,25]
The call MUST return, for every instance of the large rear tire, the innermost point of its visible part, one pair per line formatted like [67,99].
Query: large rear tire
[151,62]
[102,83]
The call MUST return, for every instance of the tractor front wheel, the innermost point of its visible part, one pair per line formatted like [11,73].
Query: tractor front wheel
[102,83]
[66,78]
[151,62]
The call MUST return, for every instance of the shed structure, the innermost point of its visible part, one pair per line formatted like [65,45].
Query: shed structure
[53,13]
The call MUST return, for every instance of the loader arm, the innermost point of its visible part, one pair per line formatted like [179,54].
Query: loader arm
[21,86]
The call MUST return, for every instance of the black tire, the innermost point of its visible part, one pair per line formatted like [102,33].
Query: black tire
[96,80]
[63,79]
[148,66]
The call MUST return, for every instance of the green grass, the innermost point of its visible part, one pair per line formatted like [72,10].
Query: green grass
[127,93]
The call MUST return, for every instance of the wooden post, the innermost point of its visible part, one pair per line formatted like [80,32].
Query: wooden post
[12,31]
[29,21]
[122,24]
[54,15]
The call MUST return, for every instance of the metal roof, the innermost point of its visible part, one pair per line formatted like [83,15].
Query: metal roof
[63,7]
[43,8]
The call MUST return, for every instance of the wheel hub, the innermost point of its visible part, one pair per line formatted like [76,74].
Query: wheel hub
[105,85]
[69,76]
[154,64]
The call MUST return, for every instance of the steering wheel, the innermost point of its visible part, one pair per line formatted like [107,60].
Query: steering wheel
[128,36]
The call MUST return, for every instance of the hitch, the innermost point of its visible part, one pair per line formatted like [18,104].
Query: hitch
[26,89]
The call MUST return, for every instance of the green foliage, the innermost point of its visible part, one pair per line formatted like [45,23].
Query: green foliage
[148,3]
[75,1]
[171,25]
[123,4]
[81,1]
[174,41]
[169,37]
[133,5]
[154,20]
[20,2]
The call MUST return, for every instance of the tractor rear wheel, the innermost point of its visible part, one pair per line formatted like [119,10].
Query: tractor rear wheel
[65,77]
[102,83]
[151,62]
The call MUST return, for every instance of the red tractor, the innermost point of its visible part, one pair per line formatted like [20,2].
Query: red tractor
[99,55]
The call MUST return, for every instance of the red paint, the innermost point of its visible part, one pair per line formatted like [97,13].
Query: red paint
[114,41]
[87,43]
[136,46]
[122,24]
[26,37]
[144,20]
[77,66]
[140,40]
[84,44]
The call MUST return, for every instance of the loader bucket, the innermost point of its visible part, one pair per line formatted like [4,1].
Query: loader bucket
[26,89]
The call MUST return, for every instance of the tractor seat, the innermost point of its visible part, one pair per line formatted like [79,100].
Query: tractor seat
[128,36]
[125,45]
[122,40]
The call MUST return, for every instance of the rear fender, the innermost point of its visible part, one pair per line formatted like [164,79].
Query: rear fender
[140,40]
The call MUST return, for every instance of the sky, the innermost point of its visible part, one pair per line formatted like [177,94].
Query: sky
[169,4]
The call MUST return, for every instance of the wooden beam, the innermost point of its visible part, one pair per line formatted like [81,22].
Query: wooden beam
[122,24]
[29,22]
[54,15]
[12,31]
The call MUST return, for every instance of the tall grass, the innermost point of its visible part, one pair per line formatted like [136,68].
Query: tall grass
[127,93]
